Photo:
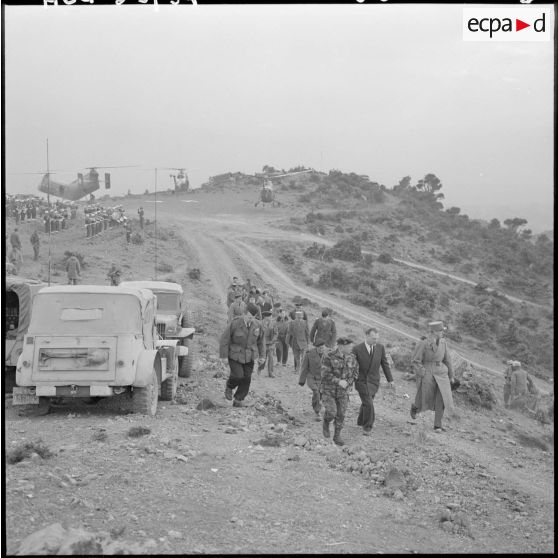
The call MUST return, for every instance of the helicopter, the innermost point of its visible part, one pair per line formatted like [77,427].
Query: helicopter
[83,185]
[181,182]
[267,195]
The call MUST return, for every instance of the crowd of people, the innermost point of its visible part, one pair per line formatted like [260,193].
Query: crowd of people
[32,208]
[99,218]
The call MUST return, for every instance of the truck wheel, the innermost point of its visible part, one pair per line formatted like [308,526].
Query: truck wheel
[144,399]
[187,362]
[170,385]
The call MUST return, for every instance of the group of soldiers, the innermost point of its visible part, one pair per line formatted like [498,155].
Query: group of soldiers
[99,218]
[259,329]
[31,208]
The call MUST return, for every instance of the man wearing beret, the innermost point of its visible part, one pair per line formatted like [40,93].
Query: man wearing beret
[241,344]
[370,356]
[434,372]
[311,372]
[339,370]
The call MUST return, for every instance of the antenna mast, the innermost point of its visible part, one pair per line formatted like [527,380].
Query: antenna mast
[49,217]
[155,224]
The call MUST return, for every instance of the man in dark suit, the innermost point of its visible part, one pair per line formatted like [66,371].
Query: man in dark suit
[298,337]
[370,356]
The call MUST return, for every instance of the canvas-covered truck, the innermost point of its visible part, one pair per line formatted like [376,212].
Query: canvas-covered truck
[18,296]
[95,341]
[174,320]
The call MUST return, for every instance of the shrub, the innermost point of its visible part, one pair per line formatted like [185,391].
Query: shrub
[475,322]
[194,274]
[287,258]
[26,450]
[368,259]
[421,298]
[164,267]
[339,229]
[136,238]
[402,359]
[385,258]
[347,249]
[454,335]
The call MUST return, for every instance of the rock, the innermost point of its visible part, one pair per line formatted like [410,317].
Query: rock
[398,495]
[205,404]
[300,440]
[395,479]
[452,505]
[175,534]
[445,515]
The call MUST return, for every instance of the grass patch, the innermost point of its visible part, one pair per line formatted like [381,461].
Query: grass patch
[137,431]
[26,450]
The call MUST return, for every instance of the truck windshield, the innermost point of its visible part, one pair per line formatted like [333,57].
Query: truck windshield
[85,314]
[167,301]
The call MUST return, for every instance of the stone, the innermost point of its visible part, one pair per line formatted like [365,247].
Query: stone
[395,479]
[205,404]
[300,441]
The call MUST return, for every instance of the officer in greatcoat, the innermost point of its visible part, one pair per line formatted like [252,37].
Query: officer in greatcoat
[433,369]
[311,373]
[298,338]
[241,345]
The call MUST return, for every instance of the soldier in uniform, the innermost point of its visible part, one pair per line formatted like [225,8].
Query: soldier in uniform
[519,383]
[298,338]
[507,383]
[114,274]
[253,308]
[241,344]
[234,288]
[36,243]
[434,372]
[140,213]
[73,268]
[324,330]
[311,373]
[270,332]
[128,229]
[282,347]
[339,370]
[237,308]
[298,308]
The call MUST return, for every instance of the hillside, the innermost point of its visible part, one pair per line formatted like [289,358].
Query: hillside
[217,479]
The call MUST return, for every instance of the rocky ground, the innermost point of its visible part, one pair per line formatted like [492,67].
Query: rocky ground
[204,477]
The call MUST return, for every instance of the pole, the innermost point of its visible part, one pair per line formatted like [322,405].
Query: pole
[48,204]
[155,224]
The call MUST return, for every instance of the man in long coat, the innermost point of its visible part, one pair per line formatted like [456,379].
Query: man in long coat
[241,345]
[73,268]
[237,308]
[298,338]
[311,373]
[434,372]
[370,356]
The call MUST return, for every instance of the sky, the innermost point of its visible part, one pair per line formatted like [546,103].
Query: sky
[377,89]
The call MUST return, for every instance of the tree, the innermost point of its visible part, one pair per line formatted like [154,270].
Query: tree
[494,224]
[515,223]
[430,183]
[453,210]
[404,183]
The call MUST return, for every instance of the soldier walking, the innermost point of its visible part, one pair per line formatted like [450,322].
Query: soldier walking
[434,372]
[270,339]
[140,213]
[339,370]
[241,345]
[114,274]
[324,330]
[36,243]
[237,308]
[128,229]
[507,383]
[282,347]
[73,269]
[297,338]
[311,373]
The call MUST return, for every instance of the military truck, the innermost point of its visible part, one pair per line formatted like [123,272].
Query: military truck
[96,341]
[174,321]
[18,296]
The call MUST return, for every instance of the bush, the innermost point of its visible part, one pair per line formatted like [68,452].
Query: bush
[421,298]
[476,323]
[402,359]
[194,274]
[287,258]
[385,258]
[454,335]
[164,267]
[347,249]
[136,238]
[26,450]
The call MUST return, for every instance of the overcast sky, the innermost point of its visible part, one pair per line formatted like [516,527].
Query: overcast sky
[385,90]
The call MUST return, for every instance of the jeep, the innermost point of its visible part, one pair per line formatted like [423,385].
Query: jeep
[95,341]
[173,319]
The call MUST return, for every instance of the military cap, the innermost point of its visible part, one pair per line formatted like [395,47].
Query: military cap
[344,341]
[516,364]
[266,313]
[436,326]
